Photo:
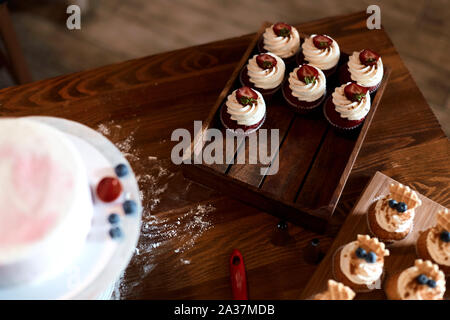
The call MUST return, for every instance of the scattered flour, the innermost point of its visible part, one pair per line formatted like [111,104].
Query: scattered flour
[157,232]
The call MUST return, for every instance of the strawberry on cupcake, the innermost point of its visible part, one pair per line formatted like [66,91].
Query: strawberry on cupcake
[244,111]
[305,88]
[282,40]
[264,72]
[348,106]
[321,51]
[365,68]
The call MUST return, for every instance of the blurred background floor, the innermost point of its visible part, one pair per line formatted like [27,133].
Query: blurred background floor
[117,30]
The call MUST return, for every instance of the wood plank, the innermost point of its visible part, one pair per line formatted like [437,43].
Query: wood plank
[402,253]
[278,117]
[295,157]
[327,170]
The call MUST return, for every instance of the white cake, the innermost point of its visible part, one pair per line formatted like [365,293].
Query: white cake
[45,202]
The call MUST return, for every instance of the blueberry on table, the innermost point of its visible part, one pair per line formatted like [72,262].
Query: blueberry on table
[371,257]
[402,207]
[129,207]
[445,236]
[422,279]
[121,170]
[115,233]
[113,218]
[361,253]
[431,283]
[393,203]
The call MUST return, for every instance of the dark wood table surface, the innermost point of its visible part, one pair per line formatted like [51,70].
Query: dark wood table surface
[188,230]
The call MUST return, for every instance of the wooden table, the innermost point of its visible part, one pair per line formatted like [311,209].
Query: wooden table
[189,231]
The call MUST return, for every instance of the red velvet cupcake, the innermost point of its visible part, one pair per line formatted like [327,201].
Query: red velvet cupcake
[244,111]
[282,40]
[365,68]
[322,52]
[348,106]
[305,88]
[265,73]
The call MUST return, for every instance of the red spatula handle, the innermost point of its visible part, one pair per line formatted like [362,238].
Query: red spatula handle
[238,277]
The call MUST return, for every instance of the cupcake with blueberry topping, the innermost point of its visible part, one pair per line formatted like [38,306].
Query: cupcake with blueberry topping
[335,291]
[434,243]
[365,68]
[360,264]
[391,217]
[423,281]
[244,111]
[348,106]
[265,73]
[282,40]
[305,88]
[322,52]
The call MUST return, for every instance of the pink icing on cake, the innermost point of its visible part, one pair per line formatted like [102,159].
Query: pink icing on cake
[45,203]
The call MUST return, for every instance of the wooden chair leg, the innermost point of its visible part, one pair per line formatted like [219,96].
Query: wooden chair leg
[17,63]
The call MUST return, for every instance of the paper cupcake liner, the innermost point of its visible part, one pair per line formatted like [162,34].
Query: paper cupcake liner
[301,109]
[336,126]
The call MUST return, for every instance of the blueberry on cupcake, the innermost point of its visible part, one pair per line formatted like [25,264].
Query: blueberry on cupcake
[244,111]
[434,243]
[391,217]
[360,264]
[423,281]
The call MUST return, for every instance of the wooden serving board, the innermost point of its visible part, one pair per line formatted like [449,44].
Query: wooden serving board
[314,159]
[402,253]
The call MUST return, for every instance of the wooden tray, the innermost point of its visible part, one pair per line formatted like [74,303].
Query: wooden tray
[402,253]
[314,159]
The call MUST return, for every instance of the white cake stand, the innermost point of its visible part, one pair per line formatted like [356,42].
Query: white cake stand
[93,273]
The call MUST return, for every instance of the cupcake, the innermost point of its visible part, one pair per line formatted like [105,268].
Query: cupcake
[434,243]
[282,40]
[423,281]
[322,52]
[365,68]
[391,217]
[335,291]
[264,72]
[244,111]
[359,264]
[305,88]
[348,106]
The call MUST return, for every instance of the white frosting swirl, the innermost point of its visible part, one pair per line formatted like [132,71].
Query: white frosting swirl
[438,250]
[367,76]
[351,110]
[246,115]
[323,59]
[368,273]
[283,47]
[266,78]
[390,219]
[408,289]
[307,92]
